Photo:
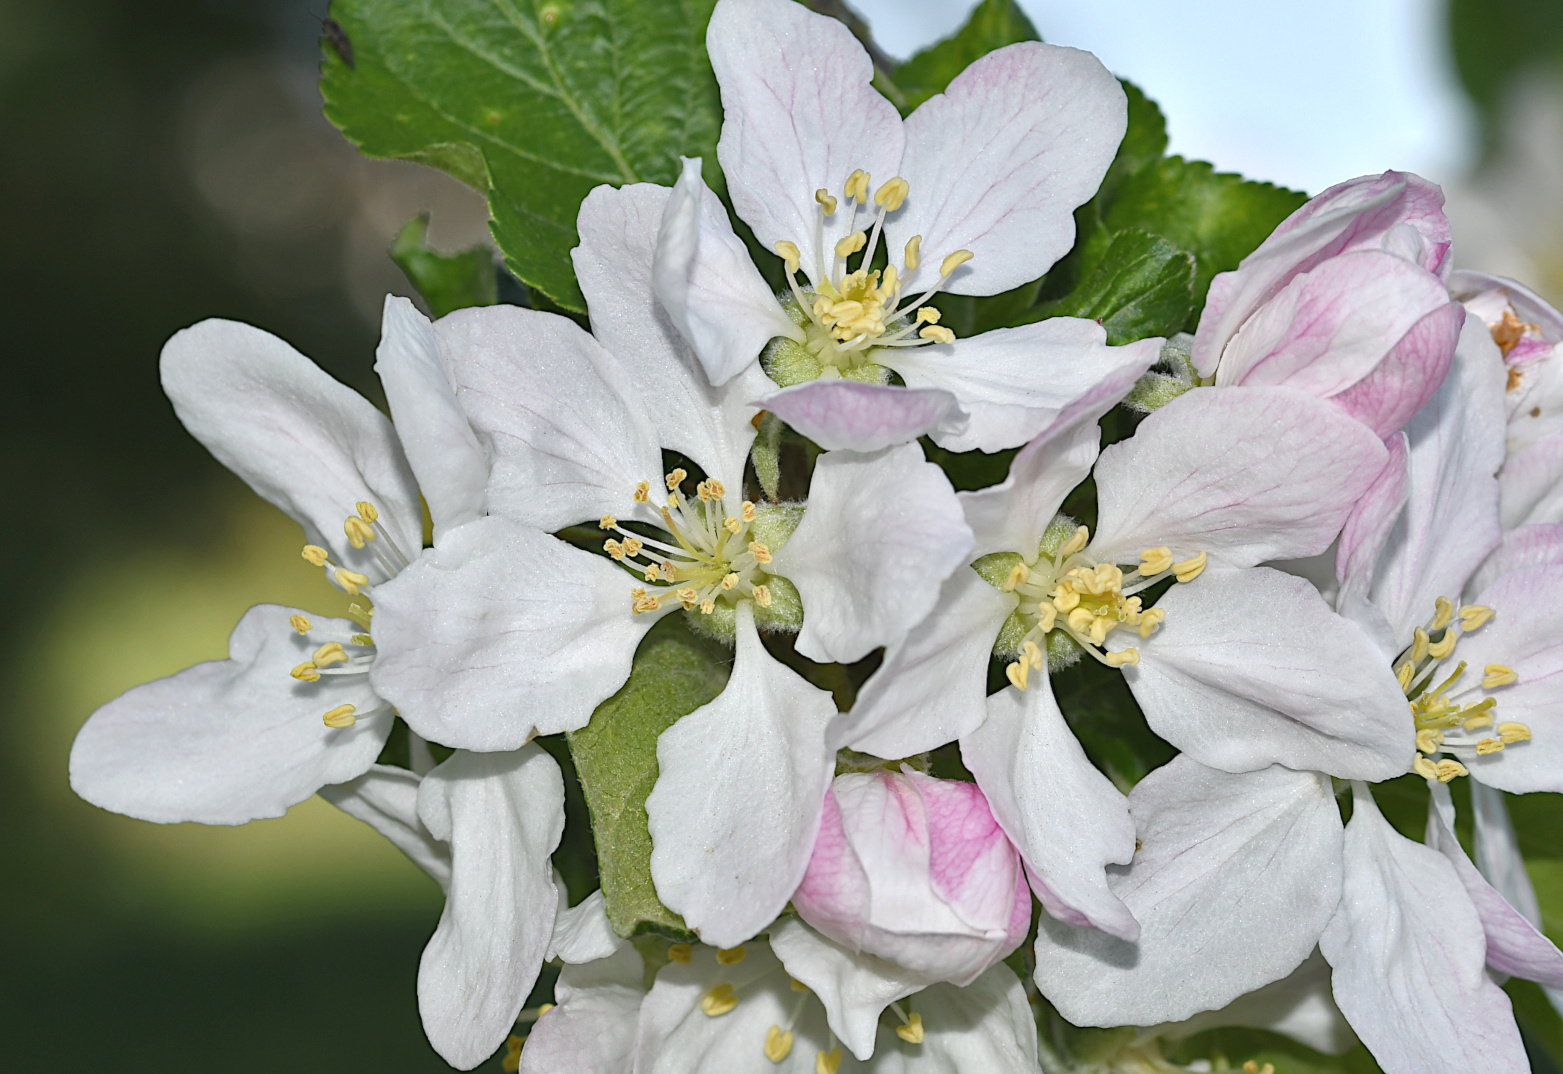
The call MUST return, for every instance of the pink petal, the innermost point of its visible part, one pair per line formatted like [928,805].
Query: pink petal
[1408,376]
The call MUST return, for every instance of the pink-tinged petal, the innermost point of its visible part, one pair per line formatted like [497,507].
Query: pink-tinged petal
[554,412]
[1329,328]
[739,796]
[713,426]
[1408,376]
[833,895]
[1523,635]
[303,441]
[1527,546]
[1409,956]
[1017,383]
[503,633]
[386,799]
[502,814]
[972,865]
[1456,445]
[1251,668]
[1465,285]
[230,741]
[1234,879]
[711,290]
[1515,946]
[932,686]
[1011,517]
[1067,819]
[1396,211]
[1001,159]
[799,115]
[591,1027]
[1530,488]
[1245,474]
[881,534]
[846,415]
[1370,523]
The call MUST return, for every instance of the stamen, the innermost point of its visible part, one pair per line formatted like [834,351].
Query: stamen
[912,1031]
[1155,560]
[826,201]
[762,595]
[1473,616]
[857,186]
[329,653]
[351,581]
[913,257]
[1428,740]
[790,253]
[1018,575]
[1118,660]
[891,195]
[1190,569]
[358,531]
[1404,674]
[851,244]
[827,1062]
[340,717]
[680,952]
[676,478]
[731,956]
[718,1001]
[607,522]
[937,334]
[1419,646]
[643,492]
[1498,675]
[306,672]
[954,261]
[367,511]
[1074,544]
[1487,746]
[1449,770]
[315,554]
[1513,732]
[1424,768]
[1445,608]
[778,1044]
[299,623]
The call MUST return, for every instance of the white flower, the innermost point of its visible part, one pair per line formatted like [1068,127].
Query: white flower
[504,630]
[291,709]
[975,195]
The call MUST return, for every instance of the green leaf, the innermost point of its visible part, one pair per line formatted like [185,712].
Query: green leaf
[1143,143]
[532,102]
[1143,286]
[446,281]
[616,757]
[1287,1056]
[992,25]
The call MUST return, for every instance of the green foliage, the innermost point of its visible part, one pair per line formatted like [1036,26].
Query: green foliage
[534,103]
[992,25]
[1143,286]
[1100,710]
[616,756]
[446,281]
[1238,1046]
[1496,40]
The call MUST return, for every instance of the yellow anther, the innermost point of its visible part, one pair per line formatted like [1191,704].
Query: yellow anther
[1481,719]
[827,1062]
[731,524]
[1019,574]
[1419,646]
[928,315]
[857,185]
[329,653]
[1498,675]
[544,1009]
[607,522]
[305,672]
[1047,617]
[718,1001]
[1424,768]
[1150,619]
[641,601]
[851,244]
[654,573]
[359,614]
[759,551]
[762,595]
[1445,614]
[912,1032]
[1018,673]
[1428,740]
[954,261]
[299,623]
[1488,745]
[704,493]
[717,489]
[797,985]
[707,606]
[729,580]
[358,531]
[778,1044]
[1065,599]
[315,554]
[341,716]
[1190,569]
[680,952]
[1407,670]
[643,492]
[688,598]
[1443,646]
[512,1060]
[350,581]
[826,201]
[1513,732]
[1080,620]
[892,194]
[366,511]
[614,548]
[887,283]
[1118,660]
[1155,560]
[1449,770]
[1473,616]
[914,247]
[632,546]
[731,956]
[938,334]
[676,478]
[362,639]
[1075,543]
[789,253]
[1253,1067]
[748,511]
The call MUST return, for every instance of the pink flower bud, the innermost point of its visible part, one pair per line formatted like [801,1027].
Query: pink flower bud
[915,870]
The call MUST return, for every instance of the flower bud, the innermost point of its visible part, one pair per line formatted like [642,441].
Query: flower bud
[915,870]
[1529,333]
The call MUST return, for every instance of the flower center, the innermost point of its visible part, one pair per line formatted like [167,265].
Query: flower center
[1070,592]
[709,555]
[849,314]
[1444,723]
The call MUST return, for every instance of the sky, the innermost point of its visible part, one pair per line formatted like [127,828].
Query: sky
[1353,87]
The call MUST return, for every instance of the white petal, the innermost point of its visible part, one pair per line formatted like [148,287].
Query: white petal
[230,741]
[1016,383]
[1252,668]
[562,420]
[303,441]
[1011,517]
[1408,953]
[1235,878]
[880,535]
[582,933]
[799,115]
[1456,449]
[854,987]
[712,426]
[1001,159]
[1498,851]
[386,799]
[591,1028]
[1299,1006]
[986,1026]
[709,287]
[1527,546]
[441,447]
[1246,474]
[502,814]
[737,801]
[847,415]
[503,633]
[1362,538]
[1531,484]
[932,686]
[1066,819]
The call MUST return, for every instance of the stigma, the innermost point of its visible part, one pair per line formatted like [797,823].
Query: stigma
[849,314]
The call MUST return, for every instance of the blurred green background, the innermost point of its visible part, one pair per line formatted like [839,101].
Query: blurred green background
[163,163]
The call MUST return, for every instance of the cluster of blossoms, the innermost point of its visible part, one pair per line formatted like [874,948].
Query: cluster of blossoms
[1324,559]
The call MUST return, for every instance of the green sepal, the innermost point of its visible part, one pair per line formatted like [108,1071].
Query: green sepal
[1142,286]
[674,673]
[991,25]
[446,281]
[766,455]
